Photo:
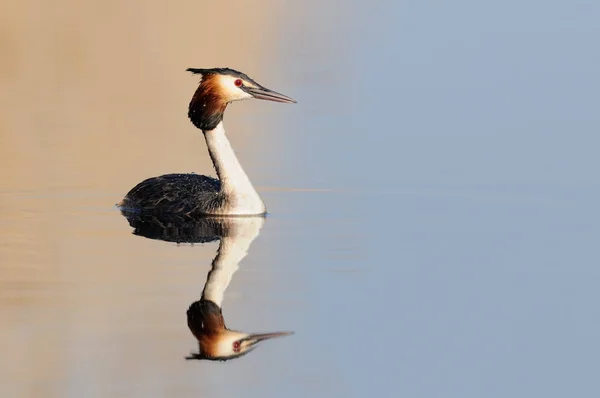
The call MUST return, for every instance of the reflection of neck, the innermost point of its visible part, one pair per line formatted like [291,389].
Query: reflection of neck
[235,183]
[232,249]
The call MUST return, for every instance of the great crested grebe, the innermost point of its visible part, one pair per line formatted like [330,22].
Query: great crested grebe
[197,195]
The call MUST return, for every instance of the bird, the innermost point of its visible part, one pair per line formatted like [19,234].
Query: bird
[193,195]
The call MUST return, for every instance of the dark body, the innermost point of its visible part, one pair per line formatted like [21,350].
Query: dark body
[191,195]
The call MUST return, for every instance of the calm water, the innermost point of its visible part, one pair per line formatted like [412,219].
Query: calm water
[433,227]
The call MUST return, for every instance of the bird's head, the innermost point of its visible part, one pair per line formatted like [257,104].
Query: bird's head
[220,86]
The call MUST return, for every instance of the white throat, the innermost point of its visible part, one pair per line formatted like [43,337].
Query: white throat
[241,196]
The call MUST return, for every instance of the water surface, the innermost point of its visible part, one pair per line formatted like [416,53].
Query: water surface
[433,223]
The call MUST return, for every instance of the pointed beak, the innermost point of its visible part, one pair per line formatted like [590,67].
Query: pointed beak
[254,339]
[269,95]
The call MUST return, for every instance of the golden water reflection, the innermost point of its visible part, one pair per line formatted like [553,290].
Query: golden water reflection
[94,99]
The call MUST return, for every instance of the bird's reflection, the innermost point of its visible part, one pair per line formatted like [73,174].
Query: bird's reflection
[205,317]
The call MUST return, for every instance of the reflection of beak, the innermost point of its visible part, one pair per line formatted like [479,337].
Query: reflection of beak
[269,95]
[254,339]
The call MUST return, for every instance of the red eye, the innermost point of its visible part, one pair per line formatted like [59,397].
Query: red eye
[236,344]
[238,83]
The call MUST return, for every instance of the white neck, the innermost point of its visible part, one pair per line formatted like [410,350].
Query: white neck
[235,184]
[232,249]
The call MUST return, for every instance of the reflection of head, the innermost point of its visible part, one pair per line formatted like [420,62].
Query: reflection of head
[215,341]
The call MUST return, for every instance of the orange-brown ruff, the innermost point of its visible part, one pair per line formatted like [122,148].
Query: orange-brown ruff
[193,195]
[207,105]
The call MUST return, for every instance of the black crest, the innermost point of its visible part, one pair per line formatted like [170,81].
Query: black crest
[221,71]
